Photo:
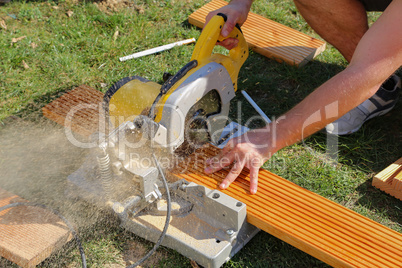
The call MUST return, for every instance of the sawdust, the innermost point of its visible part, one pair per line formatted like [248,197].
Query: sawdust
[3,24]
[35,160]
[163,203]
[187,229]
[15,40]
[194,264]
[26,66]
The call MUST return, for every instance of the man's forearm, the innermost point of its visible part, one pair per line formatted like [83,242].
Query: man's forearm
[326,104]
[378,55]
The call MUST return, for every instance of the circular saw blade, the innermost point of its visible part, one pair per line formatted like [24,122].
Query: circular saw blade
[196,132]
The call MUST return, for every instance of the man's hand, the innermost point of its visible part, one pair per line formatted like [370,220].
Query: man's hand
[236,12]
[250,150]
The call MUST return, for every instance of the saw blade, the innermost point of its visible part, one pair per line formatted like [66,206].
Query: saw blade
[196,132]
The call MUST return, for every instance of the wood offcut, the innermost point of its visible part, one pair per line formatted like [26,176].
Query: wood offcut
[29,235]
[390,180]
[269,38]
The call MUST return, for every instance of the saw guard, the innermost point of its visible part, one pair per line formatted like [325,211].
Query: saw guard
[211,77]
[203,54]
[213,71]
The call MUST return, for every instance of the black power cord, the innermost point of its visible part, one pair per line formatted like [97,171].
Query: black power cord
[77,239]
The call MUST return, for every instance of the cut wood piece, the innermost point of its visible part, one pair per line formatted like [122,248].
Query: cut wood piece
[312,223]
[268,37]
[78,110]
[390,179]
[28,235]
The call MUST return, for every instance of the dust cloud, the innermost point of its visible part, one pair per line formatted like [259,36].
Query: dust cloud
[35,160]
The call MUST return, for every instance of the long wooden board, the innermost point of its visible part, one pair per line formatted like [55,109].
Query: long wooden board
[28,235]
[390,179]
[269,38]
[312,223]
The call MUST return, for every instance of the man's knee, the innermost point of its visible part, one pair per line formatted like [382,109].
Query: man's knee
[309,6]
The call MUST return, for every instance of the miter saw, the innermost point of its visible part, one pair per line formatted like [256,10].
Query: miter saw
[154,125]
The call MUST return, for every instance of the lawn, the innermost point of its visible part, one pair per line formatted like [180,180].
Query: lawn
[48,48]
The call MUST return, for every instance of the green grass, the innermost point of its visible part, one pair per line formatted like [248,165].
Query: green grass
[81,49]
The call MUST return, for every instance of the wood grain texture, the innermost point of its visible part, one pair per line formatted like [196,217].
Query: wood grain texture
[78,110]
[390,179]
[28,235]
[268,37]
[314,224]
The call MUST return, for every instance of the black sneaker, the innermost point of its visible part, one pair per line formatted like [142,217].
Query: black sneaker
[379,104]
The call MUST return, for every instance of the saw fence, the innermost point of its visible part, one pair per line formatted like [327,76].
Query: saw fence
[312,223]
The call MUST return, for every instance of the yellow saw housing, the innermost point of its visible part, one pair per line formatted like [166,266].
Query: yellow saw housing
[138,95]
[132,99]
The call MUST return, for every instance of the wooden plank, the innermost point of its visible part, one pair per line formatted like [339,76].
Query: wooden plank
[268,37]
[318,226]
[390,179]
[78,110]
[28,235]
[312,223]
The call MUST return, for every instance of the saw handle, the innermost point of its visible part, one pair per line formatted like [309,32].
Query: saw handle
[210,35]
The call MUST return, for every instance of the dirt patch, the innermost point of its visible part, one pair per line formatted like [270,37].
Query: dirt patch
[109,6]
[136,251]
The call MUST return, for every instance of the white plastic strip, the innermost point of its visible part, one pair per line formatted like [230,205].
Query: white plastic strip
[157,49]
[255,106]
